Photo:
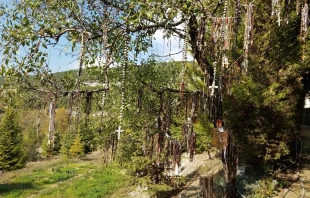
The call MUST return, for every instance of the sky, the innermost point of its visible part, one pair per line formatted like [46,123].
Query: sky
[58,61]
[161,47]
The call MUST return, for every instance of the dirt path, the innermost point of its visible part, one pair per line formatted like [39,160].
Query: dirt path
[202,165]
[191,171]
[300,185]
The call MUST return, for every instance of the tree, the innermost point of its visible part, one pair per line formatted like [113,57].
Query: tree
[268,62]
[11,144]
[77,148]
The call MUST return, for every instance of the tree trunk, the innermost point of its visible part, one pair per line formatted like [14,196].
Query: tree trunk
[230,163]
[206,186]
[51,129]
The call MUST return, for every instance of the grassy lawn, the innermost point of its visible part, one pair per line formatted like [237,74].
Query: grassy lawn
[75,178]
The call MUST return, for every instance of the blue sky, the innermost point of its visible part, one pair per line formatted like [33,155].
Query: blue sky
[60,62]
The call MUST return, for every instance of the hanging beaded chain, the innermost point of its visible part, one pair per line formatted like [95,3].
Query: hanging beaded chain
[224,39]
[199,36]
[78,78]
[298,6]
[125,65]
[184,57]
[247,36]
[304,28]
[184,51]
[277,10]
[104,59]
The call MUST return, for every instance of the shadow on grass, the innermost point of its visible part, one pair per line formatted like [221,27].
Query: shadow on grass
[7,188]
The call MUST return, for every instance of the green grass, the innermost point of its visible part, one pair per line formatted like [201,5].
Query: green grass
[70,179]
[26,184]
[98,183]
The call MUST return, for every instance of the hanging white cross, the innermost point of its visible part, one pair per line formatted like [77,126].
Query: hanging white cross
[279,19]
[119,131]
[225,62]
[213,87]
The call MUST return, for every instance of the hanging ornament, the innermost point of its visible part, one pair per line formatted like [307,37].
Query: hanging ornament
[191,133]
[304,27]
[176,157]
[276,10]
[304,20]
[216,29]
[125,65]
[227,33]
[213,86]
[225,62]
[104,71]
[185,48]
[298,6]
[247,35]
[225,8]
[199,34]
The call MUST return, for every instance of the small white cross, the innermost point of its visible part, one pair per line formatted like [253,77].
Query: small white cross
[213,83]
[279,19]
[119,130]
[213,87]
[225,62]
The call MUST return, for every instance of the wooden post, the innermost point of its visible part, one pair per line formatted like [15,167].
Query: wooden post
[206,186]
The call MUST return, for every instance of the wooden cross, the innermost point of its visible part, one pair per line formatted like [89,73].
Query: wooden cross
[119,131]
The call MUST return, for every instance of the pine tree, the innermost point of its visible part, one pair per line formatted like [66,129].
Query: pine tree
[11,153]
[77,148]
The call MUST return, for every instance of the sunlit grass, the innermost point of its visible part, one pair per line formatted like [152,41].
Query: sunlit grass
[64,178]
[101,182]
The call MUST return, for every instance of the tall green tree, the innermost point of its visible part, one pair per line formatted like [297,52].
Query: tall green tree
[12,155]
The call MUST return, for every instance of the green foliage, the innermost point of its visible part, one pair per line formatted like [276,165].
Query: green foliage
[66,142]
[77,148]
[160,190]
[47,149]
[130,146]
[33,135]
[88,137]
[1,80]
[269,126]
[32,145]
[12,155]
[139,166]
[261,188]
[203,135]
[263,111]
